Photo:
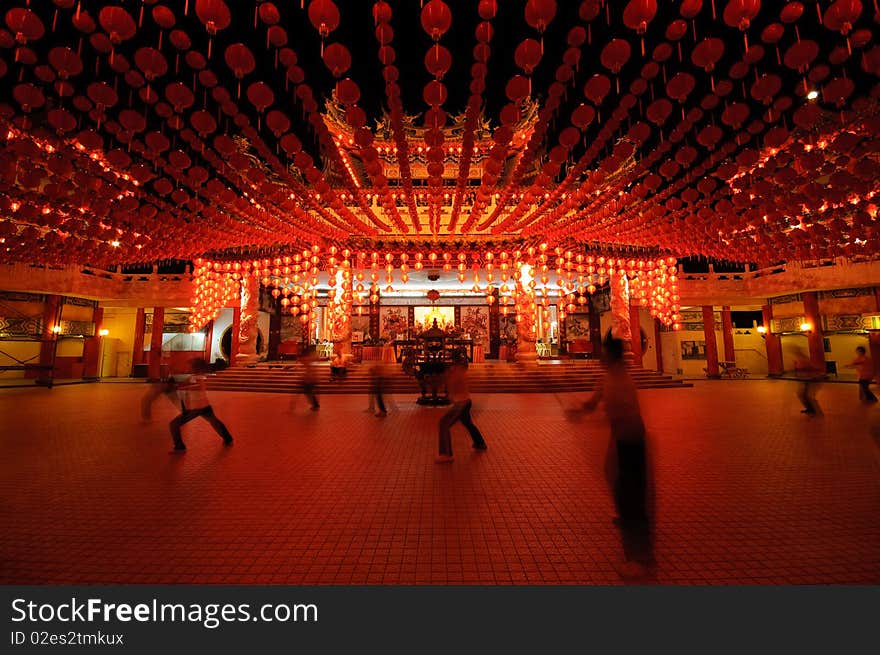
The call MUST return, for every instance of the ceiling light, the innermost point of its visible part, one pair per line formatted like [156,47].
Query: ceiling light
[812,95]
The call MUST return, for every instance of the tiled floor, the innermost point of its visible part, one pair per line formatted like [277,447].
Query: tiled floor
[748,491]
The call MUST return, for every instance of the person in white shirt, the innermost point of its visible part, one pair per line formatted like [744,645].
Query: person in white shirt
[194,403]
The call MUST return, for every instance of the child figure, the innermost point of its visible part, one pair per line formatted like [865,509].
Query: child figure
[194,403]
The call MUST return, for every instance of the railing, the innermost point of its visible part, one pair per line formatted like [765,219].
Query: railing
[89,281]
[775,270]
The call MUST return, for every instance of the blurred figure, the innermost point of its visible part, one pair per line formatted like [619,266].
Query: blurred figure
[457,389]
[810,376]
[627,458]
[310,377]
[378,380]
[194,403]
[161,388]
[338,368]
[865,369]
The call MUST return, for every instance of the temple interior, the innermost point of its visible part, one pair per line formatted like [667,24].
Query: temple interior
[326,199]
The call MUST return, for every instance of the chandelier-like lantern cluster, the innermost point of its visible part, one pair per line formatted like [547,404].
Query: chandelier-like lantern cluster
[215,285]
[519,281]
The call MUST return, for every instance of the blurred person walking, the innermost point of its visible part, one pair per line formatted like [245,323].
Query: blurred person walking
[310,378]
[627,461]
[194,403]
[457,389]
[810,377]
[865,370]
[378,380]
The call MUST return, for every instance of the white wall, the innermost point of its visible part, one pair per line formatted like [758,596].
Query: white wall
[673,363]
[223,321]
[751,351]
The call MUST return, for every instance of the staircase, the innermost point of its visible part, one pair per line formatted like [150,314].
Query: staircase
[490,377]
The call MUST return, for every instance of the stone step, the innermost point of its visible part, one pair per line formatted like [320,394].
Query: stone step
[500,377]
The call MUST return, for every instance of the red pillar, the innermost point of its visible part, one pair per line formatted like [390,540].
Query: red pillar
[658,346]
[773,344]
[49,339]
[137,355]
[636,332]
[155,369]
[92,347]
[209,336]
[711,345]
[874,343]
[814,336]
[727,335]
[235,335]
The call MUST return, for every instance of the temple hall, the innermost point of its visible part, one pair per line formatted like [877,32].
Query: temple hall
[429,292]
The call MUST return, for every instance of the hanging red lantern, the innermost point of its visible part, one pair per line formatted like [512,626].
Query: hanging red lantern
[740,14]
[597,88]
[637,14]
[841,16]
[487,9]
[527,55]
[324,16]
[436,19]
[615,54]
[540,13]
[434,93]
[438,61]
[214,15]
[337,59]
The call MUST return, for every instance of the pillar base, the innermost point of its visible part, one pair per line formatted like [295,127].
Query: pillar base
[527,355]
[242,359]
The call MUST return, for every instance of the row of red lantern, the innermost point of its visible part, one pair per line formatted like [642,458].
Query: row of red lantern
[582,117]
[487,9]
[689,114]
[680,86]
[81,202]
[103,97]
[763,195]
[384,35]
[436,19]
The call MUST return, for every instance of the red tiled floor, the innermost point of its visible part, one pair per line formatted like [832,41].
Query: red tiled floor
[748,491]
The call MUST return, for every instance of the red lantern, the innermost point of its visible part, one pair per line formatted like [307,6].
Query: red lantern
[434,93]
[540,13]
[528,55]
[337,58]
[438,61]
[615,54]
[436,19]
[487,9]
[324,15]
